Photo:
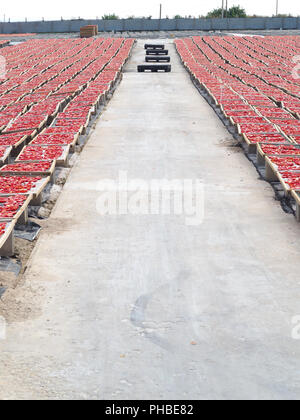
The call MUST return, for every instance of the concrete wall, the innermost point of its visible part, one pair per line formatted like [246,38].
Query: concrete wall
[151,25]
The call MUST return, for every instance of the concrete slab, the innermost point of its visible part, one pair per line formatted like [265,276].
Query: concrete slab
[137,307]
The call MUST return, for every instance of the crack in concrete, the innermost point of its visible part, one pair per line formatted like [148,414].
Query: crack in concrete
[137,318]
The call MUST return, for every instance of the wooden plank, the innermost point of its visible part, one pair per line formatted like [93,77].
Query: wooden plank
[38,191]
[251,147]
[48,172]
[286,187]
[7,240]
[271,170]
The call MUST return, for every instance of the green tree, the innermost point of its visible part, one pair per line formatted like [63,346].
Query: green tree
[216,13]
[233,12]
[112,16]
[237,12]
[178,17]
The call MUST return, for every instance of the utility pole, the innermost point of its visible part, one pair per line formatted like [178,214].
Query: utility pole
[222,9]
[160,11]
[226,8]
[277,7]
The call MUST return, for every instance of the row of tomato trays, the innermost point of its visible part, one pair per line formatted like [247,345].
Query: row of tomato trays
[283,97]
[65,68]
[51,147]
[11,121]
[15,138]
[291,87]
[34,122]
[268,117]
[270,87]
[35,165]
[274,148]
[102,83]
[60,51]
[13,206]
[10,115]
[281,159]
[62,134]
[282,164]
[274,141]
[44,99]
[63,65]
[43,56]
[257,123]
[54,82]
[10,118]
[263,121]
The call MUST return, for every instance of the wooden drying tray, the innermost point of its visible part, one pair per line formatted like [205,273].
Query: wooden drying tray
[21,217]
[261,155]
[47,173]
[72,144]
[63,160]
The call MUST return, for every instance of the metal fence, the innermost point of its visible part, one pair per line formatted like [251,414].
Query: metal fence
[136,25]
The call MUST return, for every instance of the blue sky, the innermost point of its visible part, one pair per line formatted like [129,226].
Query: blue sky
[54,9]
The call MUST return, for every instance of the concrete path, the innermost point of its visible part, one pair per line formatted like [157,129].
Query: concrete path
[120,307]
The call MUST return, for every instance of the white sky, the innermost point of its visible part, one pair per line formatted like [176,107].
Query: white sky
[54,9]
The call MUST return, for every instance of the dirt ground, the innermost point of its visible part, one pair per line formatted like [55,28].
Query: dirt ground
[11,307]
